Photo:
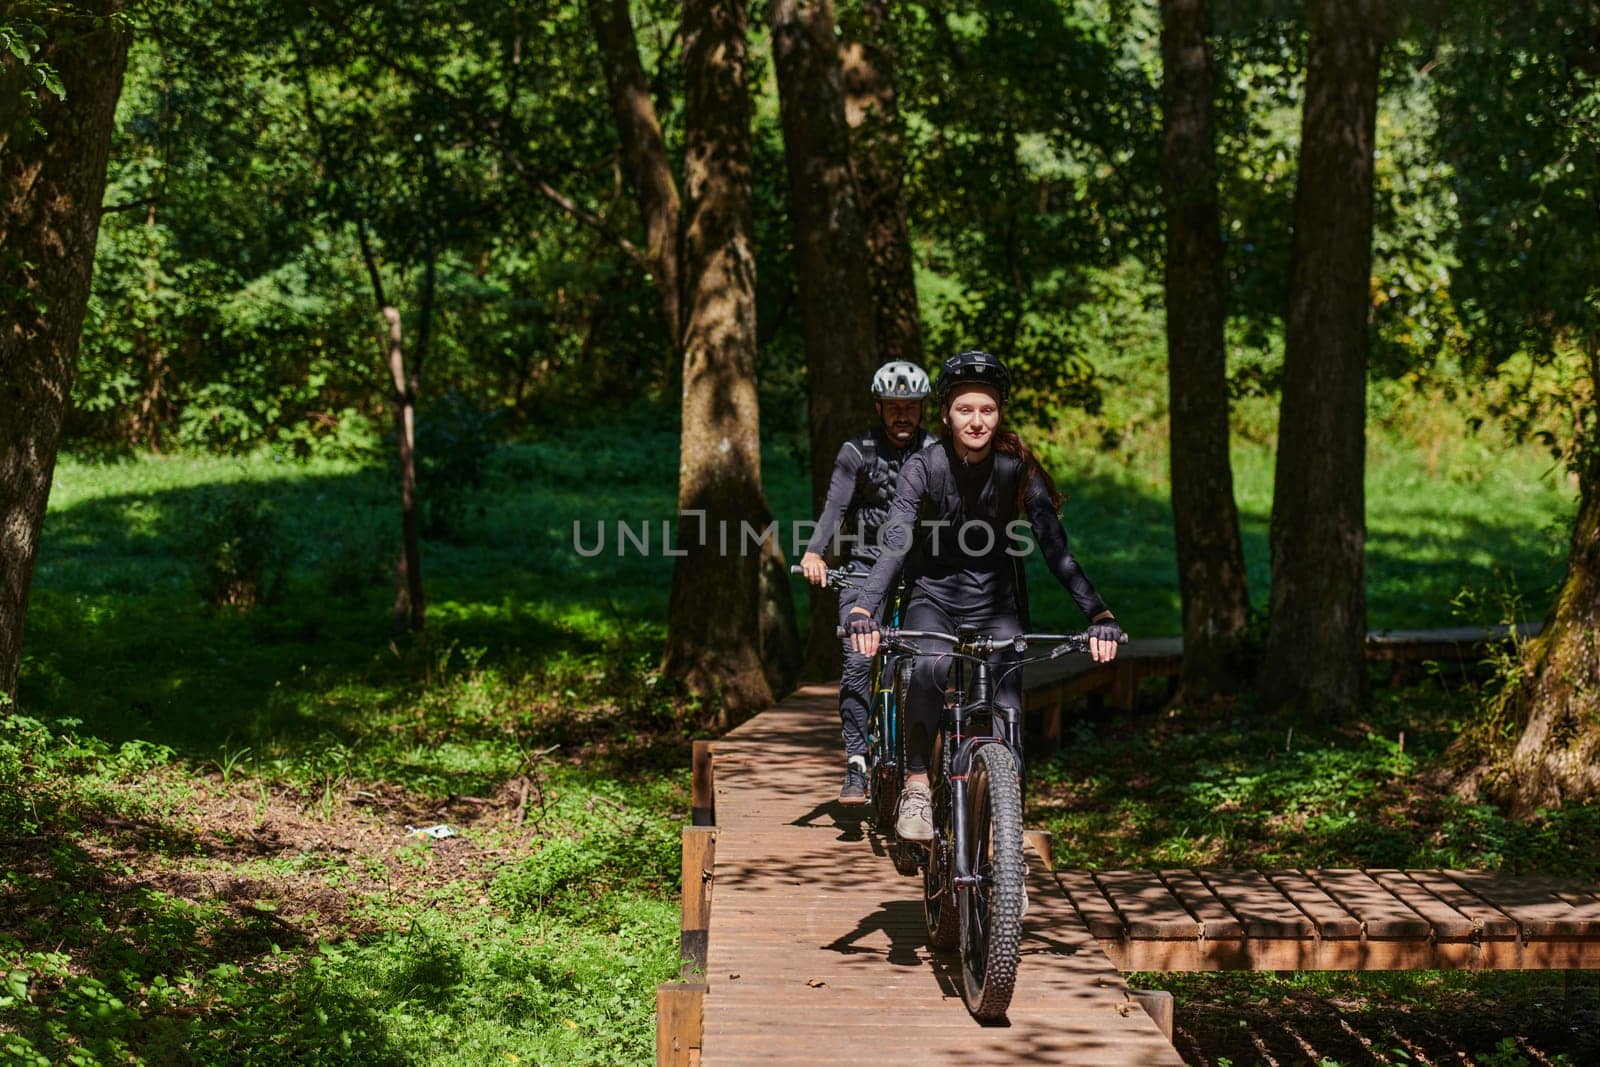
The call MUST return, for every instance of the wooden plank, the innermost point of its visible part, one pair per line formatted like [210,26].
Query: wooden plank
[1556,954]
[699,863]
[1334,921]
[1382,914]
[1039,841]
[1216,921]
[1148,909]
[1534,902]
[1124,683]
[1492,923]
[1158,1003]
[1260,906]
[1448,923]
[1097,913]
[704,810]
[678,1022]
[809,913]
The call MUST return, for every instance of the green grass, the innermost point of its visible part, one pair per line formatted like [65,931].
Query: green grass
[151,914]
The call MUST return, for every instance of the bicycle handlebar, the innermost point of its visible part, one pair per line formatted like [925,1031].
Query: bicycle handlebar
[838,578]
[983,644]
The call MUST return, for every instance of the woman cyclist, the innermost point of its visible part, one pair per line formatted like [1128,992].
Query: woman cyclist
[950,525]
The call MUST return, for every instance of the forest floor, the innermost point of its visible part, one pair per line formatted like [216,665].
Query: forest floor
[205,813]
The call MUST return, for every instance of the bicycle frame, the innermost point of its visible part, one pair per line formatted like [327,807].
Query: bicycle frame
[973,697]
[970,696]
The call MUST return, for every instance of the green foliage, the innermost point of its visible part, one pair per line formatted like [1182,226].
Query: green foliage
[563,876]
[238,543]
[1231,788]
[454,440]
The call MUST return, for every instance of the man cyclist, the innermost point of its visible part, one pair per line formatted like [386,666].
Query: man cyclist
[956,502]
[864,475]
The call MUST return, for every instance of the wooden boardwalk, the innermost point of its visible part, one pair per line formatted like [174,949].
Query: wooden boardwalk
[1336,920]
[816,949]
[1052,685]
[807,947]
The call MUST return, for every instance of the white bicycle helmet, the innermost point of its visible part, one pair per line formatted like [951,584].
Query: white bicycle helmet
[899,380]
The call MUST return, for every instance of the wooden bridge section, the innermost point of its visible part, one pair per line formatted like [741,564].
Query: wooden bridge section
[802,944]
[815,953]
[1053,685]
[1336,920]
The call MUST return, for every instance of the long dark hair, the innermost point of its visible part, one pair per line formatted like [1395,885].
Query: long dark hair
[1011,444]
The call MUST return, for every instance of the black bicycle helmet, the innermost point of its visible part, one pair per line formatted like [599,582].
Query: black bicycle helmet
[974,366]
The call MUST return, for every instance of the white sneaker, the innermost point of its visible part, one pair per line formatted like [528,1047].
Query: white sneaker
[914,815]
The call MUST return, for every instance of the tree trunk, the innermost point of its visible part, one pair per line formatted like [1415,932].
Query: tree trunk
[410,605]
[839,323]
[50,199]
[644,152]
[1557,758]
[1211,574]
[878,158]
[713,619]
[1315,643]
[780,640]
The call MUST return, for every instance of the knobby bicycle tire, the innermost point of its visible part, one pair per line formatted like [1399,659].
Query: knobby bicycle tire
[939,911]
[991,911]
[888,770]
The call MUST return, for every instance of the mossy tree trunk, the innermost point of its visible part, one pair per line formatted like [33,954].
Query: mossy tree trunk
[1211,574]
[1315,655]
[1557,695]
[51,187]
[714,617]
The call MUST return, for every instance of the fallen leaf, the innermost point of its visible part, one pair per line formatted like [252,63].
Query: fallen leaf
[569,1024]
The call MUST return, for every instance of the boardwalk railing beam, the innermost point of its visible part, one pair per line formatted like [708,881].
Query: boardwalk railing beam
[1158,1004]
[678,1023]
[1051,688]
[1039,841]
[699,865]
[704,811]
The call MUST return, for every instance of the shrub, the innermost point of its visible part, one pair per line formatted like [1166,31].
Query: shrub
[455,439]
[239,549]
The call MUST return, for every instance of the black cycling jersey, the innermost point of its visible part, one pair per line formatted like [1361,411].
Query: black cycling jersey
[956,522]
[863,482]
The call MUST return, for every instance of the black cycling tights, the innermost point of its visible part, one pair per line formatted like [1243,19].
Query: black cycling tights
[925,702]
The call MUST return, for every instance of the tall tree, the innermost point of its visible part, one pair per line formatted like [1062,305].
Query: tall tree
[1556,695]
[644,152]
[1521,130]
[831,259]
[1211,574]
[52,178]
[649,171]
[1315,654]
[713,620]
[878,157]
[348,171]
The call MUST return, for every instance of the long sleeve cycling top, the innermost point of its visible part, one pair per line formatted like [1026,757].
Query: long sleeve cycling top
[859,492]
[956,521]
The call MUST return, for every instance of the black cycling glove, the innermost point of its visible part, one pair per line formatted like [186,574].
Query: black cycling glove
[1105,630]
[861,624]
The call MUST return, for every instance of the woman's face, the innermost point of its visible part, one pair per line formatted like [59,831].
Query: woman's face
[973,414]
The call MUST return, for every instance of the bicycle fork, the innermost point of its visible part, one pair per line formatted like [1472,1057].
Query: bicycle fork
[1009,729]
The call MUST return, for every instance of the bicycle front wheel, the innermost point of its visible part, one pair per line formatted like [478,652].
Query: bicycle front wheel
[991,909]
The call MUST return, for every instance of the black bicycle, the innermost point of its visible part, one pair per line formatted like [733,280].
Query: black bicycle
[973,869]
[891,675]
